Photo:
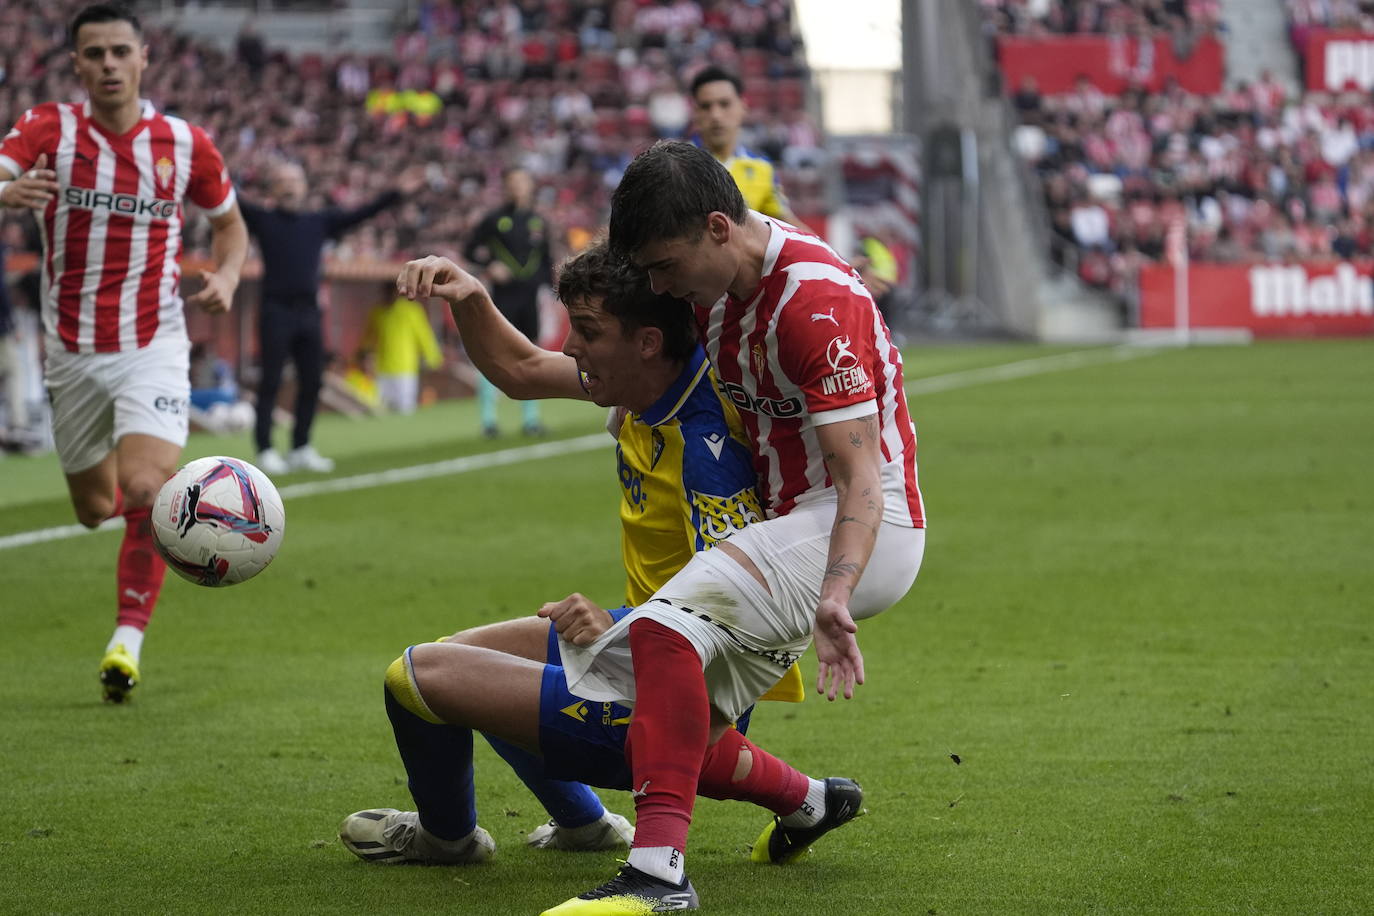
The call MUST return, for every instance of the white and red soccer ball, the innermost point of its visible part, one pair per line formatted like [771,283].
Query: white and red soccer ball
[218,521]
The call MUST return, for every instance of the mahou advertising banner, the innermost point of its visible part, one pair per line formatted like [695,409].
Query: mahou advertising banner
[1271,300]
[1337,61]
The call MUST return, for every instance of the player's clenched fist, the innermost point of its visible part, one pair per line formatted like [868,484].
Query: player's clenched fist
[436,276]
[577,620]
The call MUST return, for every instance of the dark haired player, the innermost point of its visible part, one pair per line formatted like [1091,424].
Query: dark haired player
[108,178]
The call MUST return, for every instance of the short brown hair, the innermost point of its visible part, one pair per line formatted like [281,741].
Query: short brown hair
[596,273]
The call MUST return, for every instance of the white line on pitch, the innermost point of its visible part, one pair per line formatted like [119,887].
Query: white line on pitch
[966,378]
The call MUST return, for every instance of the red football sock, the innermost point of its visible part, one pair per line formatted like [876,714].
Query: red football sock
[770,782]
[668,733]
[141,569]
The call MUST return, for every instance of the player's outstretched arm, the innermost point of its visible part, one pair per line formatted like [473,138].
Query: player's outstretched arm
[853,456]
[32,190]
[499,351]
[229,249]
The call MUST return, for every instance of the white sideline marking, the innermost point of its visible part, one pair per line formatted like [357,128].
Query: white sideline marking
[1020,369]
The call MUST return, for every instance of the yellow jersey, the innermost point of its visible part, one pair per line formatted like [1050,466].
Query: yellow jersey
[401,334]
[758,182]
[687,481]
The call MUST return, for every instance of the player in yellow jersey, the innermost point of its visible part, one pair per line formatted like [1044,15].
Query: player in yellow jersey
[718,113]
[687,481]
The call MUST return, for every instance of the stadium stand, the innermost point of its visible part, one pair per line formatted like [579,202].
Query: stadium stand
[1257,172]
[572,90]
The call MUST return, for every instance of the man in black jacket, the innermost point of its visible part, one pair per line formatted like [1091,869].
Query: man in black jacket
[291,240]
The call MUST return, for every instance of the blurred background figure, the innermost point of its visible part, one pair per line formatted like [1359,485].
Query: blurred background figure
[215,402]
[399,333]
[510,249]
[291,240]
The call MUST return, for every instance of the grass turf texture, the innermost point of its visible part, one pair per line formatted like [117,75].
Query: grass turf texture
[1143,628]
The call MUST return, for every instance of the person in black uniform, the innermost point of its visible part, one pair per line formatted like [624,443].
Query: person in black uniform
[291,240]
[511,248]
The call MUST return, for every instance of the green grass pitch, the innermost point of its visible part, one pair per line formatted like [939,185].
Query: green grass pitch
[1145,628]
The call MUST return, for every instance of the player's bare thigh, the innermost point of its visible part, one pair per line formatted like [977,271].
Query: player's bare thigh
[491,691]
[525,637]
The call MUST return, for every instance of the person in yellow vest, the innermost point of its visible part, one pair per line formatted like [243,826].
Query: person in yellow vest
[400,335]
[718,112]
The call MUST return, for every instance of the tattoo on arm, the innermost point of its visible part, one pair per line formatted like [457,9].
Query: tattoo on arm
[841,567]
[856,440]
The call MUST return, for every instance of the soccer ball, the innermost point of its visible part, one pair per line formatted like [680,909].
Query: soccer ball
[218,521]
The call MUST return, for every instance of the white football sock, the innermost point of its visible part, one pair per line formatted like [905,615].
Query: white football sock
[660,861]
[812,808]
[131,637]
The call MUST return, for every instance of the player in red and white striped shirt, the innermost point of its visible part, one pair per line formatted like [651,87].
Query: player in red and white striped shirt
[108,179]
[800,348]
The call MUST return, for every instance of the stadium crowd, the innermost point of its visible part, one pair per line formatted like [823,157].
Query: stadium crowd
[571,90]
[1257,173]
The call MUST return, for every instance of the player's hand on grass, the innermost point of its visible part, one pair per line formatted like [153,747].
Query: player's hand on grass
[217,295]
[33,189]
[436,276]
[837,650]
[577,619]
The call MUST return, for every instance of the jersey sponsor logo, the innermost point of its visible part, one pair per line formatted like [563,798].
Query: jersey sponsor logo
[840,355]
[715,442]
[718,517]
[826,316]
[781,408]
[124,204]
[849,381]
[174,406]
[631,481]
[608,716]
[164,169]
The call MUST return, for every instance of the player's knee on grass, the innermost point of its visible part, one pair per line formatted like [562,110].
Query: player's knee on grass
[404,689]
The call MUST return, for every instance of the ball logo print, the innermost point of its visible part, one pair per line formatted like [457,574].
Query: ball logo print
[218,521]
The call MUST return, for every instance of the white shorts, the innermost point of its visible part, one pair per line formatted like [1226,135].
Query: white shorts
[747,638]
[98,398]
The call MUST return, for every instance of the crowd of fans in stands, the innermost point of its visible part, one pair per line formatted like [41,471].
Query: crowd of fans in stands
[571,89]
[1257,173]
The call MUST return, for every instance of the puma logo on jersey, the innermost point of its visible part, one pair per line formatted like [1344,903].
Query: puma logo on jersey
[140,597]
[826,316]
[641,792]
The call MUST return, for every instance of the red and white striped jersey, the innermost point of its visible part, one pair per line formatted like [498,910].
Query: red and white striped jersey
[112,235]
[811,348]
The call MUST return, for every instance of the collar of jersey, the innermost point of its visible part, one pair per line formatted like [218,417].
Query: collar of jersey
[145,111]
[667,406]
